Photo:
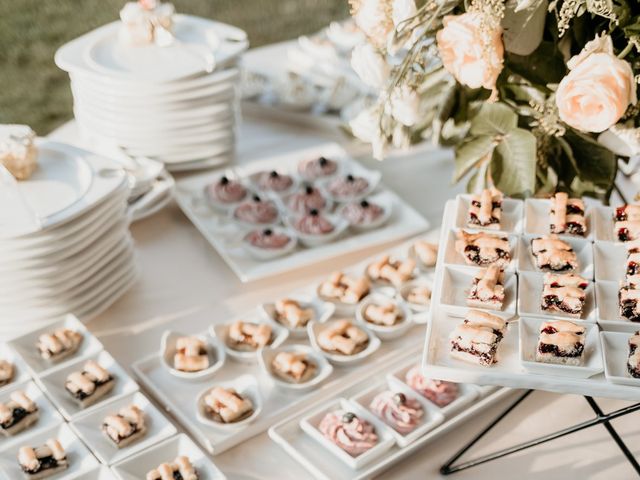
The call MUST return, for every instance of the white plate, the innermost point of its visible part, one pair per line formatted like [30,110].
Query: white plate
[54,380]
[246,386]
[583,249]
[608,310]
[510,222]
[530,298]
[98,473]
[20,369]
[603,222]
[322,311]
[278,332]
[452,257]
[215,352]
[310,423]
[609,261]
[79,457]
[314,328]
[456,283]
[536,219]
[48,416]
[615,347]
[88,428]
[267,254]
[382,331]
[137,466]
[323,367]
[592,357]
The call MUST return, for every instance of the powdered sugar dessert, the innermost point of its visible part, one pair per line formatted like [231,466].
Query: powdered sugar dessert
[147,21]
[309,198]
[267,239]
[18,153]
[257,211]
[226,191]
[351,433]
[399,411]
[440,392]
[317,168]
[362,213]
[348,187]
[313,223]
[274,182]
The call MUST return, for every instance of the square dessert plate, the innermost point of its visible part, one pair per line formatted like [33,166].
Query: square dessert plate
[615,346]
[88,428]
[431,416]
[79,457]
[592,363]
[583,249]
[452,257]
[536,219]
[25,345]
[608,311]
[309,424]
[101,472]
[20,369]
[48,416]
[137,466]
[53,383]
[530,298]
[603,219]
[609,261]
[456,284]
[510,222]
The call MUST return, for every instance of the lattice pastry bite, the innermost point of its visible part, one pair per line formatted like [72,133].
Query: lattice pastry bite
[391,270]
[383,312]
[564,293]
[629,301]
[44,461]
[18,414]
[179,469]
[343,337]
[293,367]
[633,360]
[226,405]
[90,385]
[292,313]
[483,249]
[7,371]
[419,295]
[125,427]
[487,289]
[477,339]
[561,342]
[343,288]
[191,355]
[567,215]
[58,345]
[632,269]
[426,253]
[485,209]
[248,336]
[627,223]
[554,255]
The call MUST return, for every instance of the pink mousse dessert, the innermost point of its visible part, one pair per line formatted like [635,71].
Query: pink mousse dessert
[274,182]
[227,191]
[267,239]
[313,223]
[348,187]
[306,200]
[400,412]
[258,211]
[362,213]
[354,435]
[440,392]
[317,168]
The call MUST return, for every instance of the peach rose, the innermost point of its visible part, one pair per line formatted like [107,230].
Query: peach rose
[595,93]
[461,43]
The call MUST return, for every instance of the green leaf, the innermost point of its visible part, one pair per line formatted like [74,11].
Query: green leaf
[513,167]
[523,30]
[470,153]
[545,65]
[494,119]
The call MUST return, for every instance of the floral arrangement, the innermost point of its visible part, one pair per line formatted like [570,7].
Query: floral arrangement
[535,95]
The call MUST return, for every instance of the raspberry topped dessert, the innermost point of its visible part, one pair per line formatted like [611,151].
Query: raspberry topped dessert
[483,249]
[476,340]
[627,223]
[561,342]
[553,255]
[567,215]
[485,210]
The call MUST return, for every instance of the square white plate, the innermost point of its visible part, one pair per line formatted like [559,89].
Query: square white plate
[615,346]
[99,473]
[137,466]
[25,345]
[79,457]
[88,428]
[511,220]
[583,249]
[609,261]
[451,257]
[431,416]
[530,296]
[20,369]
[310,423]
[592,356]
[608,310]
[456,283]
[536,219]
[603,219]
[48,416]
[53,384]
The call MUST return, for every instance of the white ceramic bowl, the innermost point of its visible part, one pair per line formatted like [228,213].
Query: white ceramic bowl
[322,311]
[245,385]
[215,351]
[271,253]
[314,330]
[216,204]
[406,289]
[323,367]
[279,334]
[382,331]
[314,240]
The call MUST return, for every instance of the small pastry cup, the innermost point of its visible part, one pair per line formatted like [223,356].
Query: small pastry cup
[314,329]
[323,368]
[284,202]
[279,335]
[245,385]
[215,352]
[315,240]
[382,331]
[322,312]
[419,263]
[406,289]
[216,204]
[265,254]
[255,177]
[384,200]
[373,177]
[247,226]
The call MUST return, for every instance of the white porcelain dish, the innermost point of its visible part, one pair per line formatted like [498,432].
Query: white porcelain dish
[323,368]
[608,307]
[322,311]
[511,220]
[220,332]
[247,386]
[615,347]
[314,330]
[384,332]
[417,308]
[536,219]
[216,354]
[609,261]
[20,369]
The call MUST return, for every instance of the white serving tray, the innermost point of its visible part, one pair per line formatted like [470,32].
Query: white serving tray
[224,237]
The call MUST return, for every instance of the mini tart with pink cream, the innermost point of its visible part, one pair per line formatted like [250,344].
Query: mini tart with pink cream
[226,191]
[362,213]
[439,392]
[349,432]
[248,336]
[398,410]
[348,187]
[257,211]
[307,199]
[316,168]
[268,239]
[274,181]
[313,223]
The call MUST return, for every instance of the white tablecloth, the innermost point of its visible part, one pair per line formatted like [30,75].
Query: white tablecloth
[184,282]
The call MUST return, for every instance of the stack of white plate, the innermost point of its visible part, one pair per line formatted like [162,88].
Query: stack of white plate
[64,239]
[177,103]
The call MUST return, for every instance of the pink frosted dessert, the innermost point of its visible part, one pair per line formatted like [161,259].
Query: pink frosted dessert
[348,187]
[354,435]
[227,191]
[313,224]
[274,182]
[267,239]
[440,392]
[362,213]
[317,168]
[306,200]
[256,210]
[397,410]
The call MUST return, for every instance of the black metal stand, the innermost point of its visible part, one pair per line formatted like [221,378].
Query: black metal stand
[600,418]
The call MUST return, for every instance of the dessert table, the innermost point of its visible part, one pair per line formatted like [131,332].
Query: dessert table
[183,282]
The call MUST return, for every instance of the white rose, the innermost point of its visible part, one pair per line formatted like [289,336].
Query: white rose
[405,105]
[403,10]
[366,127]
[371,67]
[373,17]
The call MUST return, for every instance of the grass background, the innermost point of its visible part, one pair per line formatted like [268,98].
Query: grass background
[35,92]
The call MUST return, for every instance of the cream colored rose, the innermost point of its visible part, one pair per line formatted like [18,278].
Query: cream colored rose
[594,95]
[464,54]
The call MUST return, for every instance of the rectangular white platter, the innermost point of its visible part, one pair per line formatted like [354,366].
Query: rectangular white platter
[404,222]
[178,395]
[320,462]
[508,372]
